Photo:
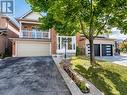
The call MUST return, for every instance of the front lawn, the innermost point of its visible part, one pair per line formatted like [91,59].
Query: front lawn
[111,79]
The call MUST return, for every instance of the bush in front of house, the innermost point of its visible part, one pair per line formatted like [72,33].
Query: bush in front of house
[78,51]
[2,55]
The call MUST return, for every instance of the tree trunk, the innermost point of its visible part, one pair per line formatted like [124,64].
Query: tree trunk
[92,56]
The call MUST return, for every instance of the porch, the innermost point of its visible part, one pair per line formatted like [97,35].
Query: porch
[66,42]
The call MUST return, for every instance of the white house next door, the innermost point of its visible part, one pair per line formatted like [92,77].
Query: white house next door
[70,42]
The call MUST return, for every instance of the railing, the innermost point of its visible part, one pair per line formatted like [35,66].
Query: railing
[35,34]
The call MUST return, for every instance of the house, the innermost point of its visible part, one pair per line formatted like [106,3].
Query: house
[103,45]
[33,41]
[8,29]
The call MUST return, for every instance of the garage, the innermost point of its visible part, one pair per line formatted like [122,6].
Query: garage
[107,50]
[102,47]
[97,49]
[32,48]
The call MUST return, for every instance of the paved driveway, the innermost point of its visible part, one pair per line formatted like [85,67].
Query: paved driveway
[31,76]
[121,60]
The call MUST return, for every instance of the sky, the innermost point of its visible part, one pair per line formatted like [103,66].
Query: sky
[21,7]
[117,35]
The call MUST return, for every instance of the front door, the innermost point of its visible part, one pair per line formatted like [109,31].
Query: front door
[68,41]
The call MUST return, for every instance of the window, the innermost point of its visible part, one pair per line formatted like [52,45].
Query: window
[69,43]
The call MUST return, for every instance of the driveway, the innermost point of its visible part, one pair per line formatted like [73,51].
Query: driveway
[121,60]
[31,76]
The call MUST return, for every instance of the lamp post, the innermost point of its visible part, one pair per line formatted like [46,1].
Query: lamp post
[65,54]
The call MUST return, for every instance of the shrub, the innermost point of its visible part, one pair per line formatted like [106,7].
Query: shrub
[78,51]
[2,55]
[78,82]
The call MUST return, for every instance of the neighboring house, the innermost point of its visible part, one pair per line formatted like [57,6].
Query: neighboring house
[103,45]
[34,42]
[8,29]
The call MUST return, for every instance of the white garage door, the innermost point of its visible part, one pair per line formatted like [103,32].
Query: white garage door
[33,48]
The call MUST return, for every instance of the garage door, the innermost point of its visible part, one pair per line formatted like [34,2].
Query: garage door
[97,49]
[107,50]
[33,49]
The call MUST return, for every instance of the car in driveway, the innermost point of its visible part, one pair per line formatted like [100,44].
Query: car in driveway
[31,76]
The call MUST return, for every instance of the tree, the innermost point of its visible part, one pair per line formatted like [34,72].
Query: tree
[89,17]
[123,46]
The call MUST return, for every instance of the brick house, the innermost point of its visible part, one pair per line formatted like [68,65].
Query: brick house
[34,42]
[8,29]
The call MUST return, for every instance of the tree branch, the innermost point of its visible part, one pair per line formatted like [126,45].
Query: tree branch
[82,28]
[102,26]
[91,19]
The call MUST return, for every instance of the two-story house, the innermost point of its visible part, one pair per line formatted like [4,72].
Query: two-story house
[34,42]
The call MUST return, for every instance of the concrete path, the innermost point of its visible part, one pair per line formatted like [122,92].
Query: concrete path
[31,76]
[121,60]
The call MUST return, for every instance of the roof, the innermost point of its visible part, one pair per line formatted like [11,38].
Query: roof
[27,13]
[25,16]
[12,22]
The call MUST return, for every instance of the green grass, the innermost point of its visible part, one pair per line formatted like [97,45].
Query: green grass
[111,79]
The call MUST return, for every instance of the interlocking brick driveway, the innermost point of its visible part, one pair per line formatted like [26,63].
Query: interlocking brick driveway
[31,76]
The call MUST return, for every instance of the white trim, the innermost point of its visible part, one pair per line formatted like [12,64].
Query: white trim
[73,50]
[101,50]
[16,48]
[49,33]
[25,14]
[50,49]
[30,22]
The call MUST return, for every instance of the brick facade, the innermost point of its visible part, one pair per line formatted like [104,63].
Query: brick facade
[81,43]
[11,30]
[53,41]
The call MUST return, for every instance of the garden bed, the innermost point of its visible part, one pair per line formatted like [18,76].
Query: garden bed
[76,78]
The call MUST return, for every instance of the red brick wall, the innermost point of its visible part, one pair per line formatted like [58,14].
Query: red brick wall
[12,32]
[53,41]
[81,42]
[3,23]
[2,44]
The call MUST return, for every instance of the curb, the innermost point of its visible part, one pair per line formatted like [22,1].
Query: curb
[74,89]
[69,82]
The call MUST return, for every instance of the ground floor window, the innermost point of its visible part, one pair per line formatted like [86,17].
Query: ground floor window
[68,41]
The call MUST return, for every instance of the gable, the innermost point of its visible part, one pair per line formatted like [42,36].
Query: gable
[32,16]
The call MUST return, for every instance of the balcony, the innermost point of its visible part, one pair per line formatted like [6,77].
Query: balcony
[34,34]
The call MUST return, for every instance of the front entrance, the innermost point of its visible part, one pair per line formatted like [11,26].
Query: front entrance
[68,41]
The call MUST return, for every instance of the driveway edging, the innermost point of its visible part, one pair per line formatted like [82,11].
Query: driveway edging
[69,82]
